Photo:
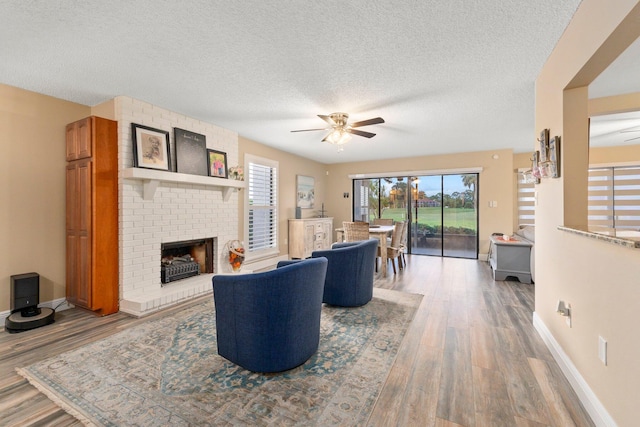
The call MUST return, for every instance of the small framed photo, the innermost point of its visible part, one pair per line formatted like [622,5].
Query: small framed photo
[217,161]
[305,198]
[191,152]
[150,147]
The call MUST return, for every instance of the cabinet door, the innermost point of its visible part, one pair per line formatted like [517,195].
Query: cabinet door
[327,230]
[79,251]
[79,138]
[72,141]
[85,209]
[309,238]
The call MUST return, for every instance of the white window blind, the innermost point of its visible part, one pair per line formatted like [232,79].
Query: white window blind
[526,202]
[262,205]
[614,197]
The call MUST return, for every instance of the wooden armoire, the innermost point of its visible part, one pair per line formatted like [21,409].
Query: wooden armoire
[92,214]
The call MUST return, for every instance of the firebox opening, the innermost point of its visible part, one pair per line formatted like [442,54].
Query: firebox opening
[186,258]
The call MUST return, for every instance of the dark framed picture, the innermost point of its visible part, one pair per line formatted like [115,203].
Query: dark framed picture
[150,147]
[217,161]
[191,152]
[543,142]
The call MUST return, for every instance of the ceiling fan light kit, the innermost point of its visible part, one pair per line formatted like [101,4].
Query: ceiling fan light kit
[340,132]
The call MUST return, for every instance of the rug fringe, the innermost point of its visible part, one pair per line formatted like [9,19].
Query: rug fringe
[55,398]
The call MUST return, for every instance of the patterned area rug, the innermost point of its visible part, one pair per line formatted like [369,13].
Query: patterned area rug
[167,372]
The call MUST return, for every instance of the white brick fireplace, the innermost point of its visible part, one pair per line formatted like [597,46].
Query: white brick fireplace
[189,207]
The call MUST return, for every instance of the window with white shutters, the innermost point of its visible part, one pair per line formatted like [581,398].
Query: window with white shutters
[261,207]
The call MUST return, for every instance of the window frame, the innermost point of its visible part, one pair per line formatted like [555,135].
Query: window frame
[257,254]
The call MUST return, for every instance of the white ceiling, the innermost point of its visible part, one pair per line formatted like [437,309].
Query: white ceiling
[447,76]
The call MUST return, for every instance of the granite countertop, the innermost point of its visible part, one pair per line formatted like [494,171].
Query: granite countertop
[626,238]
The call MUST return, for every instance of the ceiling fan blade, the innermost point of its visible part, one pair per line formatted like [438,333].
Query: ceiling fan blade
[625,131]
[327,119]
[360,133]
[307,130]
[367,122]
[627,140]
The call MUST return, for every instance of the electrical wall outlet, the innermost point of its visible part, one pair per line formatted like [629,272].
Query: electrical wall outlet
[602,350]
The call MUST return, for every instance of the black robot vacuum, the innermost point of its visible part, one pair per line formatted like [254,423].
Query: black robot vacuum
[25,313]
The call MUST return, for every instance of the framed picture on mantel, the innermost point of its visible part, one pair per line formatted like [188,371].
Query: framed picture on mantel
[217,163]
[191,152]
[150,147]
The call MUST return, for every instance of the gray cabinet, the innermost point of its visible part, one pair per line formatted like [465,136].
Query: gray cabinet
[308,235]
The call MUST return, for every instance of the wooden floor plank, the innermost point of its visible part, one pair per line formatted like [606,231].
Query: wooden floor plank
[493,407]
[455,396]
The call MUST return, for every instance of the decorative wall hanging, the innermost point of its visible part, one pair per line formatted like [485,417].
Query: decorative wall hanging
[554,157]
[191,152]
[532,176]
[217,161]
[150,147]
[306,192]
[543,142]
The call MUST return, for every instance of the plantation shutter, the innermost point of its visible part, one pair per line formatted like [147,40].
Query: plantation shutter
[614,197]
[262,213]
[526,201]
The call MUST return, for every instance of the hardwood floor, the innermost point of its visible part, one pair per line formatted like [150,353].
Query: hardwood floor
[471,357]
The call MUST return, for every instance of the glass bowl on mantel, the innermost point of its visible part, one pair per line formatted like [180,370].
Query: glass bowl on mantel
[234,251]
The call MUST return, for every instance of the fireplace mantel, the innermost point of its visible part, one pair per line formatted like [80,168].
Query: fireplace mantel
[152,178]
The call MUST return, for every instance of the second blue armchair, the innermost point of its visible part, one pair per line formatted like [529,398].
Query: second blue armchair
[350,272]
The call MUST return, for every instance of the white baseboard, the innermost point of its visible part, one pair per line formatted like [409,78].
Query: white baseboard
[587,397]
[59,304]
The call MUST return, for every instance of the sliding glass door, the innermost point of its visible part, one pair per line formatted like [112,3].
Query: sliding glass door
[441,210]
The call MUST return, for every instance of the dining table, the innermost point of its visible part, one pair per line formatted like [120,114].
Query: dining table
[379,232]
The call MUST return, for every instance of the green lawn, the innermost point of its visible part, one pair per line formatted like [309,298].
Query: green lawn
[453,217]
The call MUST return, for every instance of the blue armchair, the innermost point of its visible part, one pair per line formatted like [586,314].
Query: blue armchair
[349,281]
[270,321]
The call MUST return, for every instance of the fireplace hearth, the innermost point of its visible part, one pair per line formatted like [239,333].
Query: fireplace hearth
[187,258]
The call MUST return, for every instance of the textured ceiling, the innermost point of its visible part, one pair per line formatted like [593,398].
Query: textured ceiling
[447,76]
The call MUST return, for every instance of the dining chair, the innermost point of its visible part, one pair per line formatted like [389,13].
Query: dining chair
[355,231]
[393,250]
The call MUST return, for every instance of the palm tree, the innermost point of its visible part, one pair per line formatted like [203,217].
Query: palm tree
[469,181]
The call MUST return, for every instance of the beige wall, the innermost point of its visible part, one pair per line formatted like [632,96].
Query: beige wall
[609,155]
[496,182]
[290,165]
[599,279]
[32,195]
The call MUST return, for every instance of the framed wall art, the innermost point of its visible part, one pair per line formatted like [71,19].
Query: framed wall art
[191,152]
[150,147]
[217,161]
[305,186]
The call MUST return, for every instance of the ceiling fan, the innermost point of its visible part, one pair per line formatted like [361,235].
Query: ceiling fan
[340,131]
